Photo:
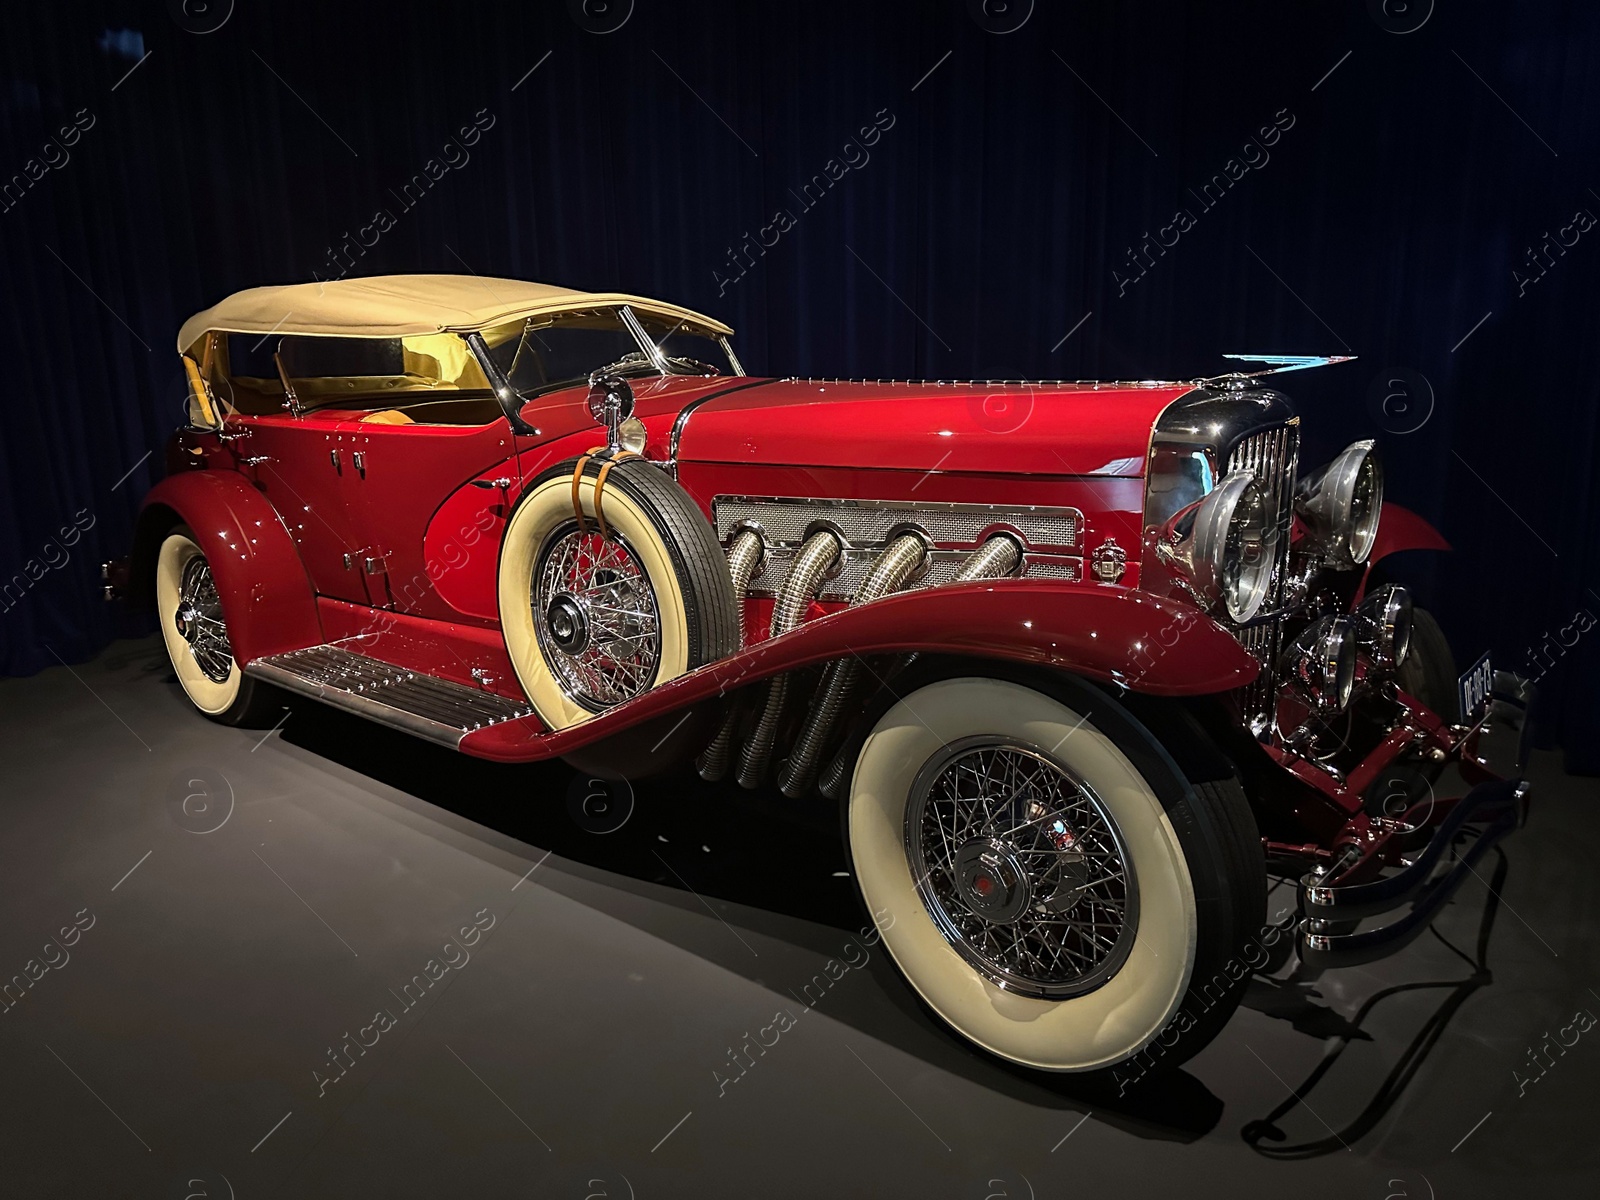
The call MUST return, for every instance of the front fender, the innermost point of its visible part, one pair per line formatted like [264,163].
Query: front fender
[267,598]
[1148,644]
[1401,529]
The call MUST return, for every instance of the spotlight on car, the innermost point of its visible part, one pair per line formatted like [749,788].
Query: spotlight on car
[1340,504]
[1221,546]
[1383,626]
[1320,664]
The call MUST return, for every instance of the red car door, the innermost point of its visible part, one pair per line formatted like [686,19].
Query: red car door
[403,476]
[301,464]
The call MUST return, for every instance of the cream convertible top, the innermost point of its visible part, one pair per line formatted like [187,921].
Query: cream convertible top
[404,306]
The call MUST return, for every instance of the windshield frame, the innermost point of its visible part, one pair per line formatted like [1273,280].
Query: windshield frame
[511,400]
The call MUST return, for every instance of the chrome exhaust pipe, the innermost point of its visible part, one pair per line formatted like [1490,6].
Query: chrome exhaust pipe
[998,556]
[744,558]
[904,555]
[811,565]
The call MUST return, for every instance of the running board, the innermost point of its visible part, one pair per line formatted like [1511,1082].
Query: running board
[429,707]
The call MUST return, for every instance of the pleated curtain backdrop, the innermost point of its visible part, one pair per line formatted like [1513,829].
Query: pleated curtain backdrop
[943,190]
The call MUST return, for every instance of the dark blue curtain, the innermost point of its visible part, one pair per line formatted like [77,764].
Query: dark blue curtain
[944,190]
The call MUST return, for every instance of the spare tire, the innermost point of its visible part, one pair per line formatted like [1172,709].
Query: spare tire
[593,619]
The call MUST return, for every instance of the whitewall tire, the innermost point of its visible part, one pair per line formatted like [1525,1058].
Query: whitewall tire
[593,621]
[1033,882]
[189,611]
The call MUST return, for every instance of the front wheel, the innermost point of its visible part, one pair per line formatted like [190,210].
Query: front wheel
[1048,881]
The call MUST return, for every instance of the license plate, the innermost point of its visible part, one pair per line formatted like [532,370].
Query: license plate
[1473,688]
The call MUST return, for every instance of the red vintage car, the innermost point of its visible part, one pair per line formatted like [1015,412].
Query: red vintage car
[1083,663]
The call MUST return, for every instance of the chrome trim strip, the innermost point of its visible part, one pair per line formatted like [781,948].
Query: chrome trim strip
[682,420]
[1095,385]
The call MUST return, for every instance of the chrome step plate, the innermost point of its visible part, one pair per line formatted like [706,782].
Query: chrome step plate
[437,709]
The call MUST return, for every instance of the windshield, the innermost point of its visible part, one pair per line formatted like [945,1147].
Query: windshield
[546,353]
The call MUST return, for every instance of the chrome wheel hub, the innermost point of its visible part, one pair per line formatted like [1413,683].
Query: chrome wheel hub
[198,620]
[991,880]
[187,621]
[1021,868]
[596,618]
[569,628]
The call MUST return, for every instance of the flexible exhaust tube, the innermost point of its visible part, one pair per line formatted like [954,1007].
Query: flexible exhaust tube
[894,566]
[998,556]
[744,557]
[816,558]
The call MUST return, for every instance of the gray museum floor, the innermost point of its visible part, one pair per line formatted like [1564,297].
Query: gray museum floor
[331,960]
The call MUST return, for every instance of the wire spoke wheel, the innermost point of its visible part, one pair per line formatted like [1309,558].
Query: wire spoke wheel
[1021,868]
[199,621]
[596,617]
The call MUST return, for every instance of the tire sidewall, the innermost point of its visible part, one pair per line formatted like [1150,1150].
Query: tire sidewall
[1084,1033]
[214,699]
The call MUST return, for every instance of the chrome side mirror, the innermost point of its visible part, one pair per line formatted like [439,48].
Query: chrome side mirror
[611,404]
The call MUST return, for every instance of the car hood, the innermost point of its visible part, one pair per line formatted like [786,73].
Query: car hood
[1045,429]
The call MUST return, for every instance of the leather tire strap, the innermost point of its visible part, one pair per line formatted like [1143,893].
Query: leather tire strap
[577,504]
[599,488]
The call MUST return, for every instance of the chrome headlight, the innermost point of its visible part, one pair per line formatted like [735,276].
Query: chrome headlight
[1341,503]
[1221,546]
[1321,663]
[1383,625]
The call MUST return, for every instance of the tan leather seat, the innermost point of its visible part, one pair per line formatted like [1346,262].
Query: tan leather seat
[388,416]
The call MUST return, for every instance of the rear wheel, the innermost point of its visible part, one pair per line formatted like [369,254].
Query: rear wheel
[189,609]
[1048,881]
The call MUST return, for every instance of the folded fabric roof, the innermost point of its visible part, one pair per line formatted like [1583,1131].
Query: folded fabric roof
[404,305]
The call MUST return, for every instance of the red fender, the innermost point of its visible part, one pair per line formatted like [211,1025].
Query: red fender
[1148,644]
[267,598]
[1401,529]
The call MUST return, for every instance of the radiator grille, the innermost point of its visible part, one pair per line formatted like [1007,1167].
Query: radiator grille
[1274,457]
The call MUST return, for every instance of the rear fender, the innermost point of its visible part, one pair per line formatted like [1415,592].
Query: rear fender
[1146,644]
[267,599]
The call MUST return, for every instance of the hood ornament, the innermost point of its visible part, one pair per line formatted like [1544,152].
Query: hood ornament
[1277,364]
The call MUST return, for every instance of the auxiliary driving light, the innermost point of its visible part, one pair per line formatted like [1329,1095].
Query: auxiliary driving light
[1383,625]
[1321,663]
[1341,502]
